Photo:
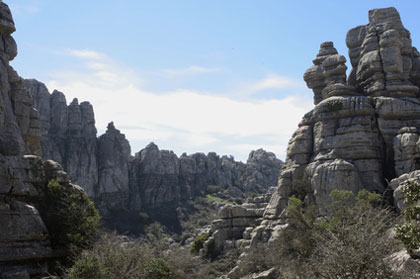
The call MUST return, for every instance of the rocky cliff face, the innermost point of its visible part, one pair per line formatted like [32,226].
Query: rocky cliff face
[25,245]
[68,134]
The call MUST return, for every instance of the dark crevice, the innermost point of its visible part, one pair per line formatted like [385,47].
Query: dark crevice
[380,58]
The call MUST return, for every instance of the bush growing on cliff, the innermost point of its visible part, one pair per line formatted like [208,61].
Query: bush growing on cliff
[409,232]
[198,243]
[71,218]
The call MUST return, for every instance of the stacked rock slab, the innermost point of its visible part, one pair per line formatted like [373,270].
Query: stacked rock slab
[363,130]
[235,224]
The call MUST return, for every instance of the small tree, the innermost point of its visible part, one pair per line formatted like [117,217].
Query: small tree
[70,216]
[409,233]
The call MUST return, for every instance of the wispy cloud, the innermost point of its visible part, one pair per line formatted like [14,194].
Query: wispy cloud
[274,81]
[181,120]
[86,54]
[191,70]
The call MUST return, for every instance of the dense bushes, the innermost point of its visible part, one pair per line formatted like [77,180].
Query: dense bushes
[70,216]
[116,257]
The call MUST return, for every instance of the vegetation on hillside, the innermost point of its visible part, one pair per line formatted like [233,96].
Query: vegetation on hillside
[352,241]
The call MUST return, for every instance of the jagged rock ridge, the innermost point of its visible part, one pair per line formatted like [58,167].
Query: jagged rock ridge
[153,178]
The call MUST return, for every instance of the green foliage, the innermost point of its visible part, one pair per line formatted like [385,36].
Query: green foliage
[114,257]
[334,105]
[156,269]
[215,199]
[70,216]
[409,233]
[350,241]
[87,268]
[198,243]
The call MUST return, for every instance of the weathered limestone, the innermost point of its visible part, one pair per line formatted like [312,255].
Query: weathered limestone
[68,134]
[159,177]
[25,246]
[113,165]
[235,225]
[154,178]
[363,130]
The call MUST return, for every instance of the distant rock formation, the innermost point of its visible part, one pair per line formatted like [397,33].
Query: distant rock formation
[153,178]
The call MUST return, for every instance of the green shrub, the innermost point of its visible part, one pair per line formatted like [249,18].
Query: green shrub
[334,105]
[409,233]
[156,268]
[87,268]
[198,243]
[71,218]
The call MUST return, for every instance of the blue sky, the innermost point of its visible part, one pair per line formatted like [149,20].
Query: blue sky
[222,76]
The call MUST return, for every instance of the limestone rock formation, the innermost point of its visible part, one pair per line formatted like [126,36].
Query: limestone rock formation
[153,178]
[235,225]
[113,160]
[363,130]
[261,171]
[68,134]
[159,177]
[25,245]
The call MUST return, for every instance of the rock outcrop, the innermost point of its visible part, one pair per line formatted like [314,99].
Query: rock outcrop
[363,130]
[113,160]
[235,225]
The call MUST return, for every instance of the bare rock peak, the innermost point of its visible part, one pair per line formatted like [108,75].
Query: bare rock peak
[7,25]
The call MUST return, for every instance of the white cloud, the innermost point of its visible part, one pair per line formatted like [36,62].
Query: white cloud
[188,120]
[191,70]
[86,54]
[274,81]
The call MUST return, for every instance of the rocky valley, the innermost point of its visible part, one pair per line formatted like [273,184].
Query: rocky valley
[359,145]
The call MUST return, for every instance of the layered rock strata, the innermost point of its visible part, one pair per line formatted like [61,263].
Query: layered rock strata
[363,130]
[235,225]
